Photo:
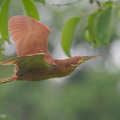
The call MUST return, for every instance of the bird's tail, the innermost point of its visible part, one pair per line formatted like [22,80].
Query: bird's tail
[13,78]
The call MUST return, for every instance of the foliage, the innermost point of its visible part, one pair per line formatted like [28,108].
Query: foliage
[98,29]
[100,24]
[4,20]
[30,9]
[67,34]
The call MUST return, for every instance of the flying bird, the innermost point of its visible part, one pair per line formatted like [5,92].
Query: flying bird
[33,61]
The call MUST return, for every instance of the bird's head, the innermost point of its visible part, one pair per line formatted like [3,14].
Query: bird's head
[68,65]
[77,60]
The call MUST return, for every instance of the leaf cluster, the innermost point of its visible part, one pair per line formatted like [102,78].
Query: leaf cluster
[99,26]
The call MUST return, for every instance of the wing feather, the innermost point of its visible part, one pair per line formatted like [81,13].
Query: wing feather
[30,35]
[28,63]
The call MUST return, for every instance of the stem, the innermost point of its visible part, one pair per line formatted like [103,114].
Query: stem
[91,1]
[67,3]
[98,3]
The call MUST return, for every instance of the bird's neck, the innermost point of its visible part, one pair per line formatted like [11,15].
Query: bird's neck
[62,68]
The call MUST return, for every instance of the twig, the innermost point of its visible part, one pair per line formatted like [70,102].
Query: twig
[91,1]
[67,3]
[98,3]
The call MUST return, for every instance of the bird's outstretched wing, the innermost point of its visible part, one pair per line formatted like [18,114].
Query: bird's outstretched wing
[30,35]
[28,63]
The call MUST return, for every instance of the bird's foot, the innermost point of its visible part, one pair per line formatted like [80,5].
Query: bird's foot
[13,78]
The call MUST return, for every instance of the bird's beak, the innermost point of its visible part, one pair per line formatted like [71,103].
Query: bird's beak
[90,57]
[86,58]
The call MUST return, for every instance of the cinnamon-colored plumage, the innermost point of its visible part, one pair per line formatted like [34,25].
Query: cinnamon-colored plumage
[33,61]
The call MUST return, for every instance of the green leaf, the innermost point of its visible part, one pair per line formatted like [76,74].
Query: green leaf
[105,24]
[107,4]
[4,20]
[68,33]
[42,1]
[30,9]
[91,28]
[1,48]
[1,3]
[100,24]
[87,36]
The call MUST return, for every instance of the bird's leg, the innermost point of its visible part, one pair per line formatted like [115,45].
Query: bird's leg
[13,78]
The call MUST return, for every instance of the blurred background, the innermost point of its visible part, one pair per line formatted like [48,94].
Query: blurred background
[91,92]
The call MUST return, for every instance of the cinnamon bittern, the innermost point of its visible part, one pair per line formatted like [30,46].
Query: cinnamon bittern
[33,61]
